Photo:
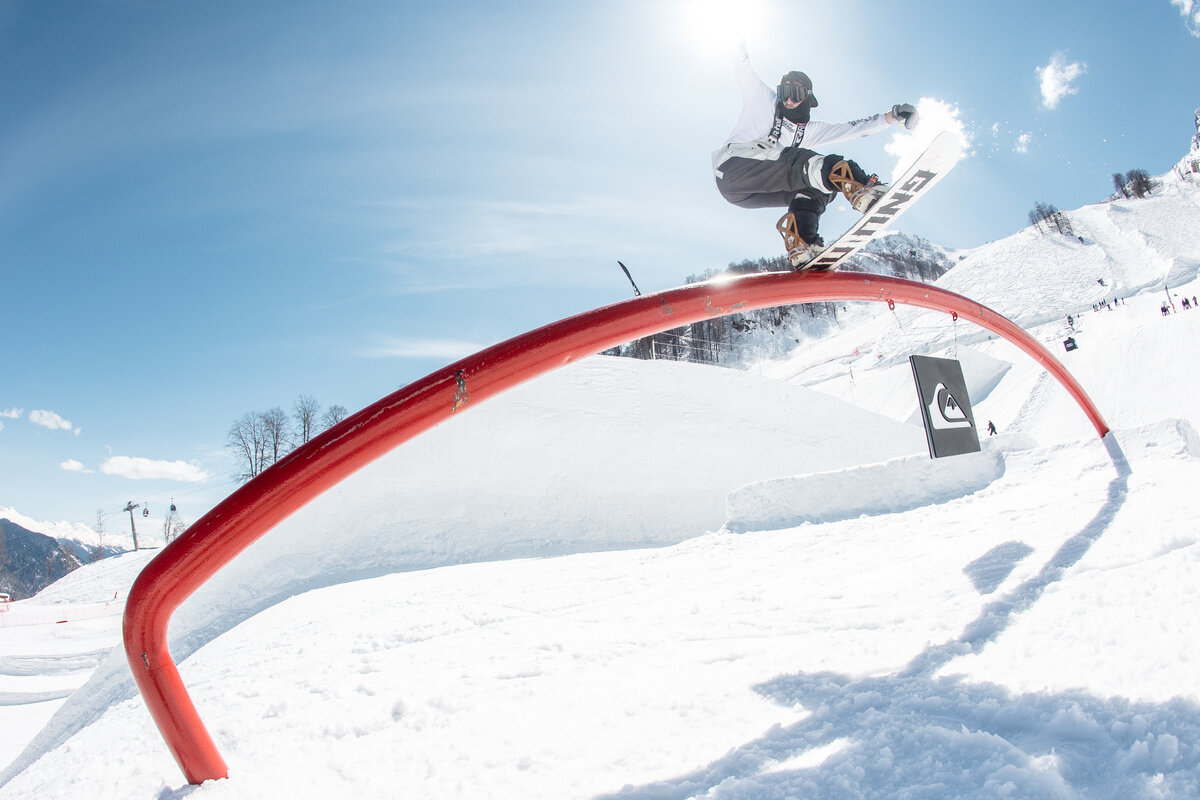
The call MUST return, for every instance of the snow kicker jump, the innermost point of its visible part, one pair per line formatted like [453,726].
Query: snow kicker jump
[245,515]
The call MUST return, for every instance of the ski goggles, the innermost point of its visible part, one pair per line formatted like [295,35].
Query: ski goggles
[795,92]
[796,87]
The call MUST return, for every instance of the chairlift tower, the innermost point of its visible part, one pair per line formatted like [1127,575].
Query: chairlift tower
[129,506]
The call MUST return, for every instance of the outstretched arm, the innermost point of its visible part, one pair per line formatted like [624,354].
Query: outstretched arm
[754,90]
[758,100]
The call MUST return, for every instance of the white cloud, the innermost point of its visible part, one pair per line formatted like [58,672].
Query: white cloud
[936,116]
[48,419]
[1191,14]
[71,465]
[1023,142]
[12,413]
[1056,79]
[146,468]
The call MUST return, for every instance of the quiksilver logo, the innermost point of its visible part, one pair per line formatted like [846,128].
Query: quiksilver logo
[945,413]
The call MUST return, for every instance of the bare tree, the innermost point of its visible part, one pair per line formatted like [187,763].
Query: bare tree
[306,410]
[278,433]
[259,439]
[1121,184]
[333,415]
[247,438]
[1054,219]
[173,526]
[1062,223]
[1140,182]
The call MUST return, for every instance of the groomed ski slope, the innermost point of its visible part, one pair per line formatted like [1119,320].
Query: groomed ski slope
[1025,629]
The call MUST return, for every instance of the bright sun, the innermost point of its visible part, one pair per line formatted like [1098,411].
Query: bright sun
[715,25]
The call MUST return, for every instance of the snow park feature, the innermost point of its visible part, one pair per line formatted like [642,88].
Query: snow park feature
[548,597]
[238,521]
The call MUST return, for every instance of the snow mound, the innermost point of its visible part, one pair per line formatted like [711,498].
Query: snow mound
[891,487]
[604,454]
[997,647]
[575,461]
[982,372]
[100,582]
[1173,438]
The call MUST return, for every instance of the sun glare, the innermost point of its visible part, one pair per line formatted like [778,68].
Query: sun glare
[716,25]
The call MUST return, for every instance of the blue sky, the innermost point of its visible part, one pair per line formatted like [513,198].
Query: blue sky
[212,208]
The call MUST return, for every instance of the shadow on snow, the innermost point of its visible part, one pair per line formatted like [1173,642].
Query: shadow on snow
[915,735]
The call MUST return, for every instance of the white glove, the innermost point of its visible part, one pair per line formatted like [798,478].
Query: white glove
[906,113]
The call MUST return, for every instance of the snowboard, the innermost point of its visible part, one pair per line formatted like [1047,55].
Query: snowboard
[929,168]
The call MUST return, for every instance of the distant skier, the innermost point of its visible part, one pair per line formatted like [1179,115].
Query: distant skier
[991,428]
[766,162]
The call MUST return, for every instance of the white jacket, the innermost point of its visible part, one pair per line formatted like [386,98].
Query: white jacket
[751,136]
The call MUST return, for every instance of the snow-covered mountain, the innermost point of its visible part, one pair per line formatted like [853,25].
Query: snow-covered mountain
[76,538]
[905,256]
[1190,163]
[27,565]
[29,560]
[653,579]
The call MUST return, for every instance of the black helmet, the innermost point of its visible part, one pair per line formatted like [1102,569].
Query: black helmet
[797,87]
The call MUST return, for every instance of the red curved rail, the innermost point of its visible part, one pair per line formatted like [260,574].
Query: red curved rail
[245,515]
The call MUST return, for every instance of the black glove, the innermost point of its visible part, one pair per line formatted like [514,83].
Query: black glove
[906,113]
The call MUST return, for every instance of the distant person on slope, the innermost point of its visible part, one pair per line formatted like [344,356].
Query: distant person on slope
[766,162]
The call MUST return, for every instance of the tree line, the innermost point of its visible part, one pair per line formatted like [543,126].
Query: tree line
[260,438]
[1048,219]
[1135,183]
[735,339]
[738,340]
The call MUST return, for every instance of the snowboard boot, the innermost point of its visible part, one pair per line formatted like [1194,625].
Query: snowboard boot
[862,190]
[800,250]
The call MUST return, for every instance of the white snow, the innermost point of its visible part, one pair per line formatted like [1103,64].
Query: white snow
[658,580]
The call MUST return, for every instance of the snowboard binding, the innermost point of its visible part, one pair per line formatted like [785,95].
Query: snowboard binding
[799,251]
[863,191]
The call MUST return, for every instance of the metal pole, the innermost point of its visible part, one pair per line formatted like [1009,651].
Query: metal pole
[130,507]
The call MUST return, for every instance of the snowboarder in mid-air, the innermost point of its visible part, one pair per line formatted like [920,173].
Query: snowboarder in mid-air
[766,161]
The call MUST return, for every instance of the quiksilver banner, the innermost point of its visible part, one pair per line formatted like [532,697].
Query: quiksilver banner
[945,406]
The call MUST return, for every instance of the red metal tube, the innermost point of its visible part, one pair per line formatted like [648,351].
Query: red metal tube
[240,519]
